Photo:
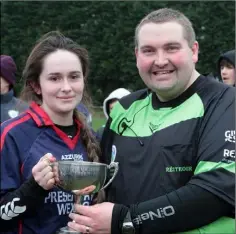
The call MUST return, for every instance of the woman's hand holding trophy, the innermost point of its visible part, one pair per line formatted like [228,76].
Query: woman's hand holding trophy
[44,174]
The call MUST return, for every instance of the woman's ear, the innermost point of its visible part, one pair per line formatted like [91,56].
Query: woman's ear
[35,87]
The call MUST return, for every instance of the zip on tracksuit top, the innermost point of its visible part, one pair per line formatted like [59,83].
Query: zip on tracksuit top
[25,207]
[176,160]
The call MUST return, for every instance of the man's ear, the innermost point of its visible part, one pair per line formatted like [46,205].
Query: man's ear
[195,50]
[136,54]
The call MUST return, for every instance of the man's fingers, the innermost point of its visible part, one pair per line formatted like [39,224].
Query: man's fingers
[81,219]
[77,192]
[87,190]
[80,228]
[84,210]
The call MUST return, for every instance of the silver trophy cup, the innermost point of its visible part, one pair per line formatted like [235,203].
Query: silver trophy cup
[90,177]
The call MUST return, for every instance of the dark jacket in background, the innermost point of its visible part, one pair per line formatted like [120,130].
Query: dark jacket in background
[11,106]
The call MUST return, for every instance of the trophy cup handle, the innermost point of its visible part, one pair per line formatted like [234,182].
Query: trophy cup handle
[114,165]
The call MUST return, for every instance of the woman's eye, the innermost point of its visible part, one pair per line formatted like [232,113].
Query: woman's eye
[54,78]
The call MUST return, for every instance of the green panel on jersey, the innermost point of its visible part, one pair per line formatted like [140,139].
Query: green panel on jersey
[222,225]
[150,120]
[204,166]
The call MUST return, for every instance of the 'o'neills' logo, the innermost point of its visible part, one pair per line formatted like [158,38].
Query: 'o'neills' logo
[153,127]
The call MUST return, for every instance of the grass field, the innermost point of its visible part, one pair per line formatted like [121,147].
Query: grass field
[98,118]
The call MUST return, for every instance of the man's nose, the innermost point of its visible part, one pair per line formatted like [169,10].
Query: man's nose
[161,60]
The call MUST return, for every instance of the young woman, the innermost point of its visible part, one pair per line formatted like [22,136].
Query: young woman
[55,82]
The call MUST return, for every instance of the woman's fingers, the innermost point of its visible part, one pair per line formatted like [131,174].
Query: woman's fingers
[43,172]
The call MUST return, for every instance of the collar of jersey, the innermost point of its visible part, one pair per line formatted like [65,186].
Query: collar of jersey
[41,118]
[157,104]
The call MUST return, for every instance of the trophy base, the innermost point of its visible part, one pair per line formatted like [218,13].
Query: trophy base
[66,230]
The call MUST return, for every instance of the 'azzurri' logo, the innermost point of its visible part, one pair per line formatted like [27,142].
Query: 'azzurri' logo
[113,153]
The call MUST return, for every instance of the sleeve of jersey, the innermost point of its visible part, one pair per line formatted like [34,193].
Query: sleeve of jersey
[16,199]
[10,163]
[186,209]
[20,203]
[215,167]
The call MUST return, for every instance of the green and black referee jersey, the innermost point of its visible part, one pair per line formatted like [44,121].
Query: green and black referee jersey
[176,160]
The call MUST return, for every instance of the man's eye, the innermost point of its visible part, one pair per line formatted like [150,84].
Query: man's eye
[147,51]
[172,48]
[75,77]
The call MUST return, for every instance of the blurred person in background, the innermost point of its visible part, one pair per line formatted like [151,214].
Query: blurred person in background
[10,105]
[85,111]
[109,103]
[226,68]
